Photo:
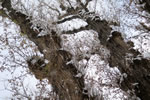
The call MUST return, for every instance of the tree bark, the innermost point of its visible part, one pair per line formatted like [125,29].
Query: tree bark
[62,76]
[146,4]
[137,70]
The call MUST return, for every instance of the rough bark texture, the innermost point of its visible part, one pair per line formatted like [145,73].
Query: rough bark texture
[61,76]
[137,70]
[147,4]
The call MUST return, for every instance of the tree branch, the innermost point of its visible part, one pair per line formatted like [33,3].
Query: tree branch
[58,73]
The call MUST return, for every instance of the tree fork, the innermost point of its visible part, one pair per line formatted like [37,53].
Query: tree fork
[60,75]
[137,69]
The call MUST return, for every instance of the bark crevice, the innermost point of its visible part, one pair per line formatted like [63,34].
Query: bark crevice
[137,70]
[60,75]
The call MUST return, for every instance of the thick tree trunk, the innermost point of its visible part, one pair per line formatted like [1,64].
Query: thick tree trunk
[61,76]
[137,70]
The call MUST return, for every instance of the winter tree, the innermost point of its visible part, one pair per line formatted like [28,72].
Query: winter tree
[75,49]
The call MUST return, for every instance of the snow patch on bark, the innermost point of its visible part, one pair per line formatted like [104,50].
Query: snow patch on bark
[102,81]
[90,58]
[72,24]
[82,43]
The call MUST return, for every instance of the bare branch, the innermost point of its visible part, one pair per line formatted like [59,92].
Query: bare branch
[55,9]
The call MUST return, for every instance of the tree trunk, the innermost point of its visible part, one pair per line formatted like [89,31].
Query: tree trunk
[137,70]
[62,76]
